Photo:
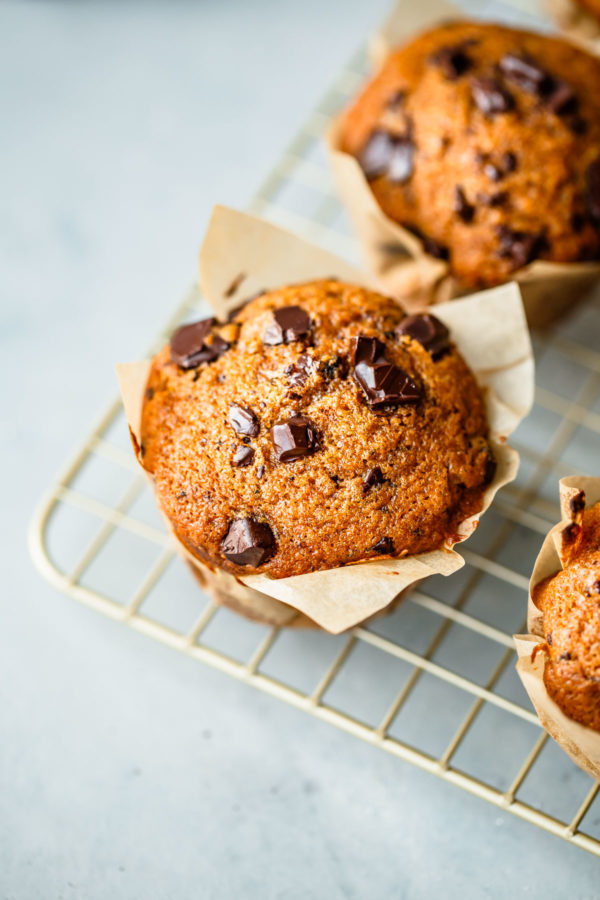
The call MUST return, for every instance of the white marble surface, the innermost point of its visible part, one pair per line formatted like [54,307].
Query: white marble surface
[125,769]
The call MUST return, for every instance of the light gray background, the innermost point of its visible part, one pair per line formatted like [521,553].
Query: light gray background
[127,770]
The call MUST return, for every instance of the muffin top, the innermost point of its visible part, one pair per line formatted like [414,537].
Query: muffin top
[485,142]
[590,6]
[570,603]
[320,427]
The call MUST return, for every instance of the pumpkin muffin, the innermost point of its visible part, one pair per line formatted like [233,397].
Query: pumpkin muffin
[570,603]
[485,142]
[320,427]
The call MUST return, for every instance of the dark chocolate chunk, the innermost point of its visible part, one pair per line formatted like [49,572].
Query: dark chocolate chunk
[592,179]
[577,222]
[382,383]
[564,656]
[194,344]
[396,99]
[497,199]
[593,585]
[549,638]
[525,72]
[243,420]
[578,125]
[260,472]
[453,61]
[401,164]
[490,97]
[248,542]
[493,172]
[243,456]
[294,438]
[373,477]
[290,323]
[298,373]
[462,207]
[375,156]
[149,393]
[571,532]
[560,98]
[385,545]
[520,247]
[509,162]
[387,154]
[428,331]
[434,248]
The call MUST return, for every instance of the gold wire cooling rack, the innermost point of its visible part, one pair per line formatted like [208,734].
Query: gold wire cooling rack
[434,683]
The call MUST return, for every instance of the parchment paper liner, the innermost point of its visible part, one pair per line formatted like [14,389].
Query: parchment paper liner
[394,255]
[580,743]
[242,255]
[575,23]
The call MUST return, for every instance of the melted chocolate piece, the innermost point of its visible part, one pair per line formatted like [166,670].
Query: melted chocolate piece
[453,61]
[294,438]
[401,164]
[428,331]
[490,97]
[564,656]
[260,472]
[243,420]
[592,179]
[298,373]
[373,477]
[577,503]
[382,383]
[592,585]
[462,207]
[290,323]
[520,247]
[243,456]
[434,248]
[509,162]
[497,199]
[387,154]
[525,72]
[194,344]
[561,98]
[248,542]
[385,545]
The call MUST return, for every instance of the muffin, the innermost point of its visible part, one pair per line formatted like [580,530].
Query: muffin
[485,142]
[570,604]
[591,7]
[319,427]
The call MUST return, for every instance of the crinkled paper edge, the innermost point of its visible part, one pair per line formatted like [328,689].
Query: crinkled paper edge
[582,744]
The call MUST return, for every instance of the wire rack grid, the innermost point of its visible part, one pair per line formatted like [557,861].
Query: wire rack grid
[434,683]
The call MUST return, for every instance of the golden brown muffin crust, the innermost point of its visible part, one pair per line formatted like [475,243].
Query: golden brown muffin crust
[570,602]
[495,163]
[398,478]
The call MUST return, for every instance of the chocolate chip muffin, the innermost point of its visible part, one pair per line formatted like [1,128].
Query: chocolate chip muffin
[485,142]
[592,7]
[320,427]
[570,603]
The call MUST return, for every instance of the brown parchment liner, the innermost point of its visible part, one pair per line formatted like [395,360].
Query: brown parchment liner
[241,255]
[394,255]
[575,23]
[582,744]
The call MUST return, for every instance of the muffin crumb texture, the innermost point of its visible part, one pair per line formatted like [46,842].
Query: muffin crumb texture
[485,142]
[570,603]
[319,427]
